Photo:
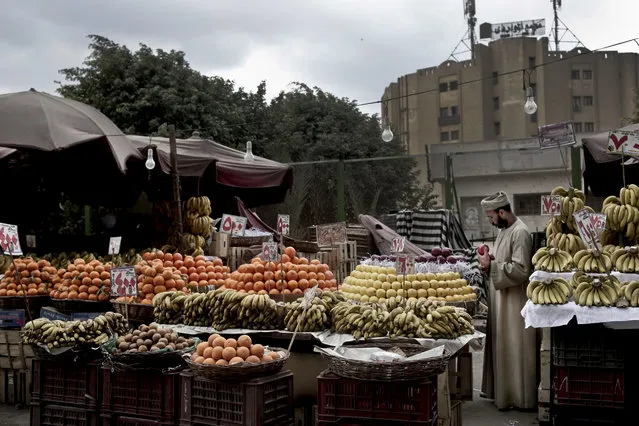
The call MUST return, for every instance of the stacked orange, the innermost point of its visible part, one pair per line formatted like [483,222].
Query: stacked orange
[31,277]
[83,281]
[292,275]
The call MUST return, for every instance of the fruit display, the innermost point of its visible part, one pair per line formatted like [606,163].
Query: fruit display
[168,307]
[552,260]
[233,309]
[58,334]
[151,338]
[622,216]
[631,292]
[377,284]
[626,259]
[26,276]
[228,352]
[592,261]
[83,281]
[292,275]
[198,220]
[561,230]
[195,309]
[554,291]
[314,317]
[596,291]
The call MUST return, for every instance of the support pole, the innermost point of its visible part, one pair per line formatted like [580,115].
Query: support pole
[340,183]
[175,177]
[450,195]
[575,163]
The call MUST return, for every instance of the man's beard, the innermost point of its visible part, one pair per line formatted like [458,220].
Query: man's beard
[501,223]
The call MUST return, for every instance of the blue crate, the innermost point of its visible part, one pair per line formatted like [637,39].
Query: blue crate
[10,318]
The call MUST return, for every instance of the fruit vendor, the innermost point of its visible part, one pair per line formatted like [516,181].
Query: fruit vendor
[510,353]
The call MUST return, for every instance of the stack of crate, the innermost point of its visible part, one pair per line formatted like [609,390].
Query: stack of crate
[15,369]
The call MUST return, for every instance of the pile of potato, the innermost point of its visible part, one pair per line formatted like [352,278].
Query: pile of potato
[151,338]
[220,351]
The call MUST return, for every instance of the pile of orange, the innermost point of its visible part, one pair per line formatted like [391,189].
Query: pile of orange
[83,281]
[292,275]
[28,276]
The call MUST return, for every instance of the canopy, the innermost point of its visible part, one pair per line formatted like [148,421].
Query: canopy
[598,145]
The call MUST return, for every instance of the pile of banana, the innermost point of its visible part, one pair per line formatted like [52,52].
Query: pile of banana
[128,258]
[626,259]
[62,260]
[5,262]
[561,230]
[572,200]
[631,292]
[448,322]
[225,307]
[570,243]
[552,260]
[168,307]
[592,261]
[596,291]
[196,309]
[366,320]
[554,291]
[57,334]
[260,312]
[198,210]
[318,312]
[622,213]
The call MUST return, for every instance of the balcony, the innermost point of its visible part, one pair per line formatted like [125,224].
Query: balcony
[448,120]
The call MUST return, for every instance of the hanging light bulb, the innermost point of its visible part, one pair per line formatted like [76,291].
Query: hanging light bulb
[248,156]
[387,134]
[149,164]
[530,107]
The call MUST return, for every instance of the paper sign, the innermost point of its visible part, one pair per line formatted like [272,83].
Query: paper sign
[550,205]
[124,282]
[587,231]
[9,240]
[269,252]
[309,295]
[331,234]
[114,245]
[398,244]
[405,264]
[283,222]
[620,141]
[31,241]
[234,225]
[598,221]
[556,135]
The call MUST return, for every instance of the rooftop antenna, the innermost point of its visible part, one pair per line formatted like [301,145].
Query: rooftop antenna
[559,33]
[469,40]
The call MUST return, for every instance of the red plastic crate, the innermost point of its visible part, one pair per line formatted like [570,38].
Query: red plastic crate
[589,387]
[146,393]
[340,399]
[124,420]
[66,382]
[43,414]
[263,401]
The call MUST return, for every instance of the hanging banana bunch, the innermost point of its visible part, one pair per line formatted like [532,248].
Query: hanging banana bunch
[198,220]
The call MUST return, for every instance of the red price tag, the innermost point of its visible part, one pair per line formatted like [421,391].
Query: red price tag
[234,225]
[587,231]
[405,264]
[269,252]
[9,240]
[283,222]
[398,244]
[550,205]
[124,282]
[598,221]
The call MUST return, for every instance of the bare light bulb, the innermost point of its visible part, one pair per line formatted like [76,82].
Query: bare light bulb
[248,156]
[530,107]
[149,164]
[387,134]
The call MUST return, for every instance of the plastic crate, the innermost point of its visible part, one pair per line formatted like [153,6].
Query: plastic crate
[125,420]
[44,414]
[66,382]
[587,347]
[339,399]
[584,416]
[263,401]
[589,387]
[147,393]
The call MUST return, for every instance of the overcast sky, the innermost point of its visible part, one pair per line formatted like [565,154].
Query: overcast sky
[352,48]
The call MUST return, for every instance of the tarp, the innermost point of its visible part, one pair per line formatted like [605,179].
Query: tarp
[597,145]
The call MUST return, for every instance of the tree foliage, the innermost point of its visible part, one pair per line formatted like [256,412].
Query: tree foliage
[143,90]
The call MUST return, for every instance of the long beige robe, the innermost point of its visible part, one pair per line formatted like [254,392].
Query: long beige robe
[510,358]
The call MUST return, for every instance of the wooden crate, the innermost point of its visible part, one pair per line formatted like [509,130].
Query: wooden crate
[460,376]
[344,270]
[15,369]
[13,353]
[354,233]
[220,245]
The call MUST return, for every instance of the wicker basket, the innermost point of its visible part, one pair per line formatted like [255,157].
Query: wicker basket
[68,306]
[160,360]
[385,371]
[241,371]
[138,312]
[249,241]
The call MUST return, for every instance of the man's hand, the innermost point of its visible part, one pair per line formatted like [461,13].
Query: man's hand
[484,261]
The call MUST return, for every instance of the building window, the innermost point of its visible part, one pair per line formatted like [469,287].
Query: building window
[575,74]
[495,78]
[496,102]
[454,110]
[587,75]
[527,204]
[443,112]
[443,87]
[444,136]
[453,85]
[589,127]
[576,103]
[577,127]
[533,117]
[588,101]
[454,135]
[497,128]
[531,62]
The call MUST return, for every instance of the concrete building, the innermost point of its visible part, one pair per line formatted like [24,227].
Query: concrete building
[476,106]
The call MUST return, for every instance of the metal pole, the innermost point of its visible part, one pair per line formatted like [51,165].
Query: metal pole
[177,203]
[575,160]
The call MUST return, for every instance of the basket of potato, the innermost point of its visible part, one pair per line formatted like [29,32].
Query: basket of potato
[220,358]
[150,347]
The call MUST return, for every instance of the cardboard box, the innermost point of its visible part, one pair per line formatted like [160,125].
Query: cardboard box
[220,244]
[53,314]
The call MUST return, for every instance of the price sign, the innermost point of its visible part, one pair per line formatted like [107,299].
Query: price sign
[283,222]
[587,231]
[114,245]
[309,295]
[234,225]
[398,244]
[550,205]
[331,234]
[598,221]
[405,264]
[623,142]
[124,282]
[9,240]
[269,252]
